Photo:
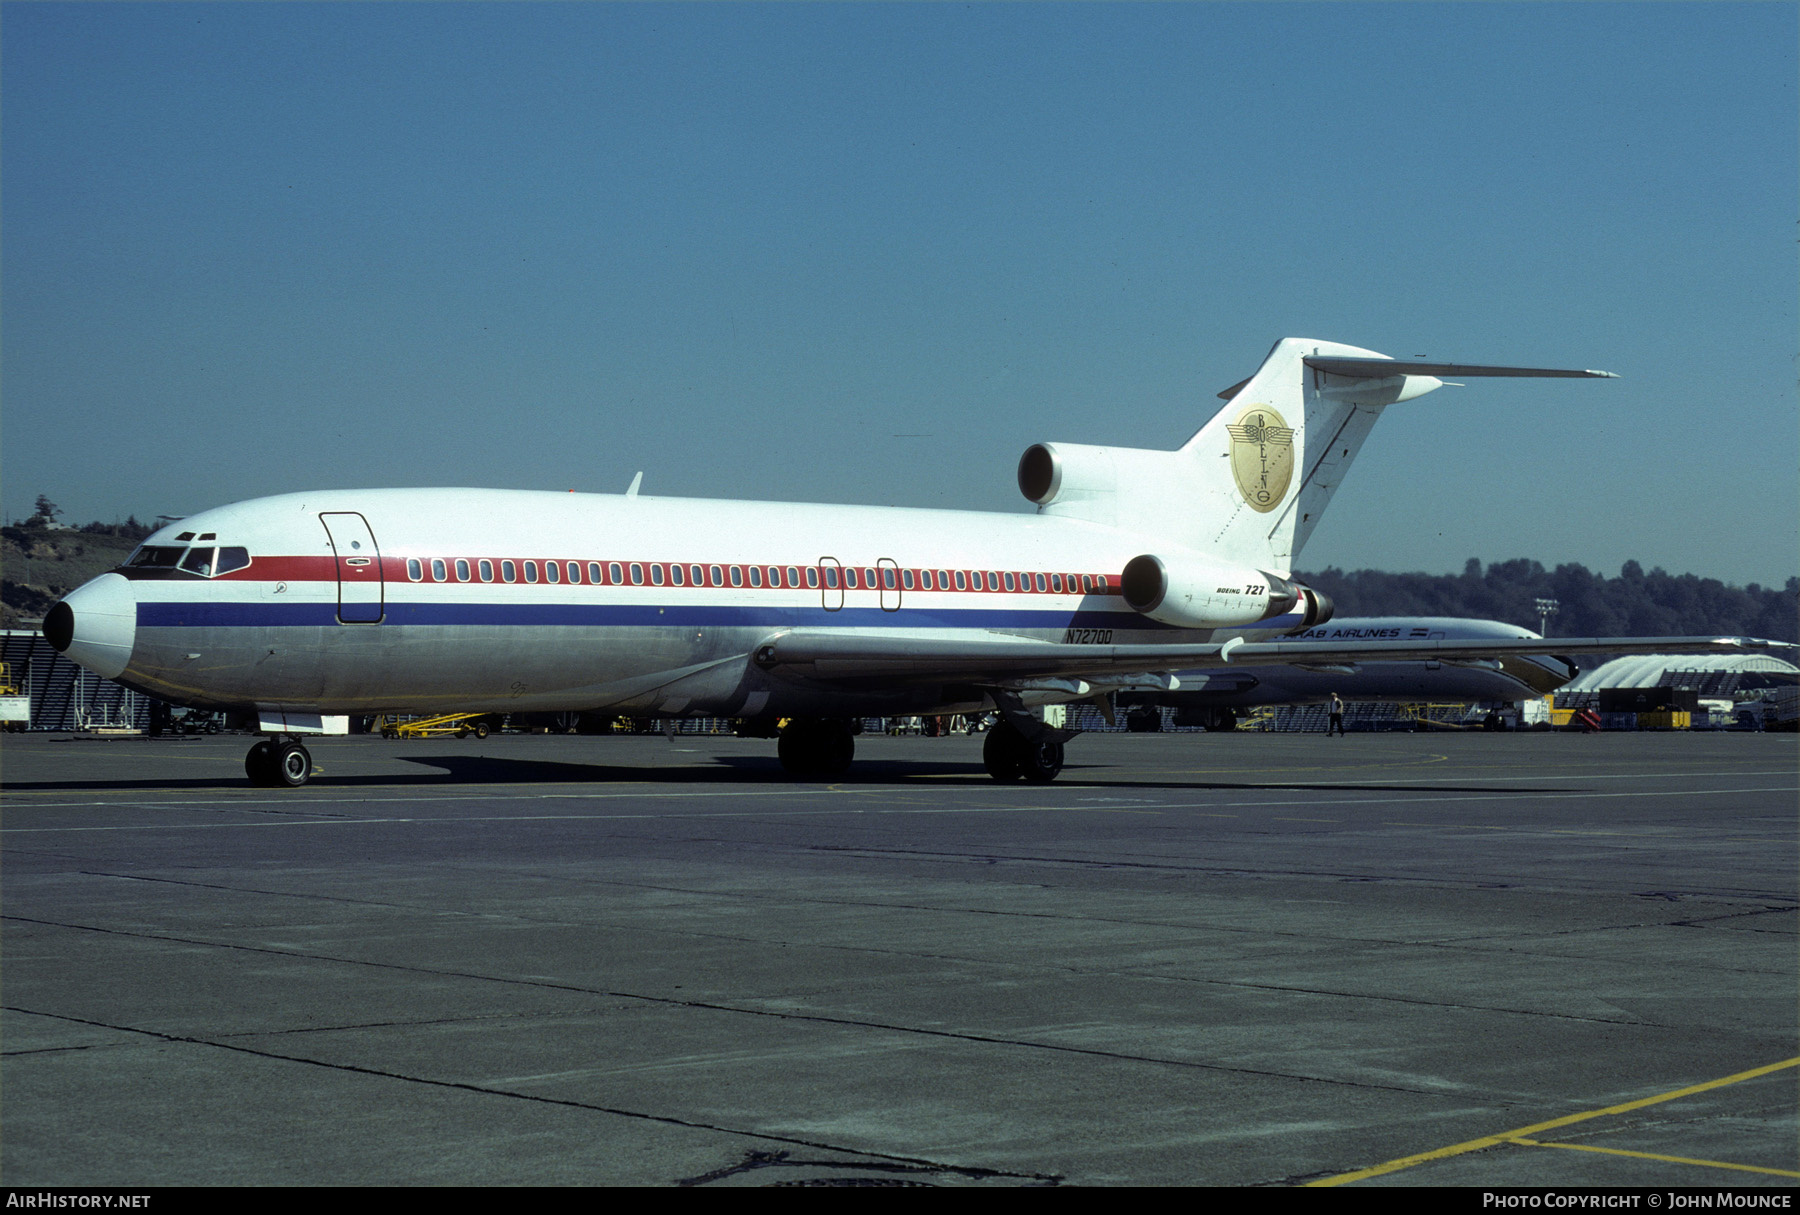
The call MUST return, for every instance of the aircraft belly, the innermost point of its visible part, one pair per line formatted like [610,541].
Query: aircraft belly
[350,668]
[649,670]
[224,667]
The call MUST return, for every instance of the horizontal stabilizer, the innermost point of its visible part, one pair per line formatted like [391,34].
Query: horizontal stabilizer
[1371,369]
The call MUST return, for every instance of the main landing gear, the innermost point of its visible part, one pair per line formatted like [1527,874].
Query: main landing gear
[1010,756]
[277,763]
[814,748]
[1214,719]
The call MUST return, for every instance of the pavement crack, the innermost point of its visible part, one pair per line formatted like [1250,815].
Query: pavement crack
[741,1010]
[896,1174]
[536,1098]
[1710,920]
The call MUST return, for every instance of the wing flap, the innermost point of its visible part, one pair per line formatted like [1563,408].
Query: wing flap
[853,656]
[1266,653]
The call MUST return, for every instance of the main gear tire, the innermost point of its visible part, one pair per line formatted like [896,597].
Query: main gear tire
[1009,756]
[1040,762]
[1003,753]
[259,765]
[293,765]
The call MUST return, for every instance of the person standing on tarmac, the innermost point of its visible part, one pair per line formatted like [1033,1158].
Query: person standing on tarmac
[1337,716]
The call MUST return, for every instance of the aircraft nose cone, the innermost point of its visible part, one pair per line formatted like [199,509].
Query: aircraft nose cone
[96,625]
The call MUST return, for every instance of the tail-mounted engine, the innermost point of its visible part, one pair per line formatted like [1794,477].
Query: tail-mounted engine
[1309,607]
[1079,480]
[1195,594]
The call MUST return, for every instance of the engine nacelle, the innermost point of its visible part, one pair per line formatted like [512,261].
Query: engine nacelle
[1309,607]
[1064,473]
[1042,471]
[1199,594]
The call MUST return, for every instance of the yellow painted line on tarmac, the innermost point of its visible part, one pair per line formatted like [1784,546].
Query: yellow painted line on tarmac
[1711,1164]
[1488,1141]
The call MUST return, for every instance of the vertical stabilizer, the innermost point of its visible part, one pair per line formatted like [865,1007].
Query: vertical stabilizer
[1267,464]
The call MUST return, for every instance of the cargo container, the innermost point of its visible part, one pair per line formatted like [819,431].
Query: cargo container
[1648,700]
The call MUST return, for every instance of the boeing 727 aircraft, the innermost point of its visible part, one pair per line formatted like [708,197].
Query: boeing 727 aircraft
[299,609]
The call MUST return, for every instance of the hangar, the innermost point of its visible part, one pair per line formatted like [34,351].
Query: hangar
[1741,691]
[1708,674]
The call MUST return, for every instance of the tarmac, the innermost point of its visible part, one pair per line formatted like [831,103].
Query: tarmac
[1207,959]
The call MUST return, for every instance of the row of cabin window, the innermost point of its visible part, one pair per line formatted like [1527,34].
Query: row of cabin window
[792,577]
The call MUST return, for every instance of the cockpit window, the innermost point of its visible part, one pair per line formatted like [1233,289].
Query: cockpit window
[202,560]
[157,556]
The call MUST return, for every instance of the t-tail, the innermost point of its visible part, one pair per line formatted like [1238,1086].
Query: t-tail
[1246,492]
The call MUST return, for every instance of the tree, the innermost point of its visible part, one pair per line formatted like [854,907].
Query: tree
[46,509]
[1654,604]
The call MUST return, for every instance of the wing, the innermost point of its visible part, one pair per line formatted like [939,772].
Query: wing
[997,659]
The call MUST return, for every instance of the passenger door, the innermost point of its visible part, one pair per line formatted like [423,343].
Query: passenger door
[360,589]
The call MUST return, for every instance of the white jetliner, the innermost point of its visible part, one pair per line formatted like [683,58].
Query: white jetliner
[1215,698]
[305,607]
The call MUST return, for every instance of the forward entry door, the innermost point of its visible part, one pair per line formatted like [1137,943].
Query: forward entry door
[360,599]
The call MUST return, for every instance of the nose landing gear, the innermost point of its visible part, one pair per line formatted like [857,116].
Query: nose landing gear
[278,763]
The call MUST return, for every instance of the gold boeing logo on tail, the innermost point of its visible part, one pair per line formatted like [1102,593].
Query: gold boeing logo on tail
[1262,456]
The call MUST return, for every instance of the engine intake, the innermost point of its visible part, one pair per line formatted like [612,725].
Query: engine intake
[1145,583]
[1039,475]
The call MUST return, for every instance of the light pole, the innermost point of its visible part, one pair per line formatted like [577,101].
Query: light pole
[1546,608]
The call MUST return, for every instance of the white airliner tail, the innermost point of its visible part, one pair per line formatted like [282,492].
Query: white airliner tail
[1266,465]
[1251,485]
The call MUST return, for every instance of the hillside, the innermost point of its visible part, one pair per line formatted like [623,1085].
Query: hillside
[38,566]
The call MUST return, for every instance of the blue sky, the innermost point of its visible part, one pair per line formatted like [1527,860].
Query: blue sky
[869,253]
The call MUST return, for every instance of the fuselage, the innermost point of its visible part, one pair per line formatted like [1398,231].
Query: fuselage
[398,600]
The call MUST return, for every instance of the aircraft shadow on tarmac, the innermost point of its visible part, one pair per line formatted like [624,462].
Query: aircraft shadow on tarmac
[735,769]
